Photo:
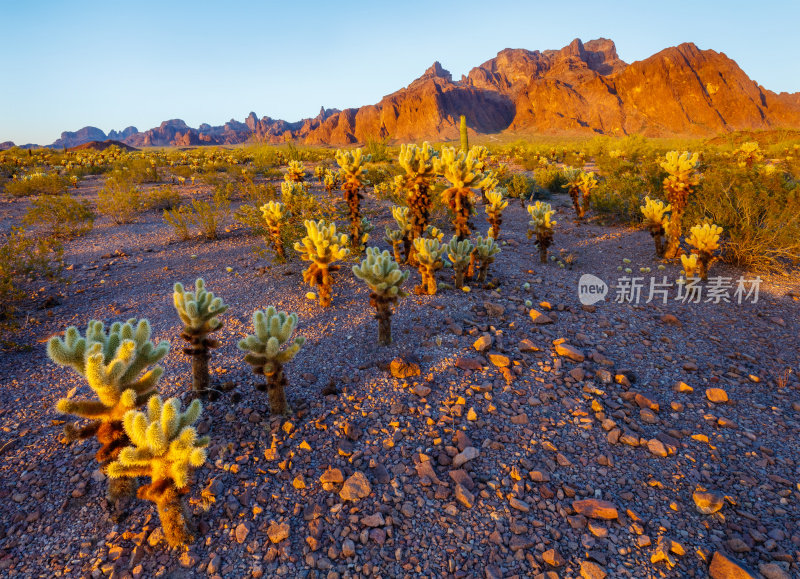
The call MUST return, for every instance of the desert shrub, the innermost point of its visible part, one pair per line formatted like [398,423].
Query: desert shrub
[119,200]
[180,219]
[161,198]
[136,170]
[759,211]
[37,184]
[61,216]
[257,193]
[382,174]
[208,215]
[519,186]
[619,196]
[24,258]
[378,150]
[550,178]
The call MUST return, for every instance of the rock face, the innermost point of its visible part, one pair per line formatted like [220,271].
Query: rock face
[581,88]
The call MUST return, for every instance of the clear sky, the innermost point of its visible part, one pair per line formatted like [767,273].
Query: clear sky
[110,64]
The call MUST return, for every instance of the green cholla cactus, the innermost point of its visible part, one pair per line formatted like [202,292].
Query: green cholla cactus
[463,173]
[198,311]
[432,232]
[273,329]
[295,172]
[322,247]
[460,255]
[384,277]
[330,180]
[402,236]
[429,260]
[352,165]
[464,134]
[494,211]
[485,250]
[114,364]
[165,448]
[420,172]
[541,225]
[276,215]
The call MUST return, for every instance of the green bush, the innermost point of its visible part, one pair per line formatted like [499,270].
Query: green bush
[161,198]
[620,196]
[180,218]
[519,186]
[23,258]
[551,178]
[119,200]
[37,184]
[379,150]
[208,216]
[136,170]
[62,216]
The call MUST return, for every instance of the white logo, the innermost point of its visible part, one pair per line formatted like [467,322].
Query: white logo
[591,289]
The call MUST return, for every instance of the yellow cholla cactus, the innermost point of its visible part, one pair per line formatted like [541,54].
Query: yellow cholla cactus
[401,238]
[330,180]
[276,215]
[704,239]
[656,221]
[681,180]
[165,448]
[459,252]
[352,166]
[690,264]
[541,225]
[385,278]
[480,156]
[429,259]
[322,246]
[319,172]
[485,251]
[295,172]
[748,154]
[495,204]
[420,172]
[463,172]
[268,349]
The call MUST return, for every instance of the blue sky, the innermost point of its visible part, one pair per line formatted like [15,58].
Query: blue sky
[68,64]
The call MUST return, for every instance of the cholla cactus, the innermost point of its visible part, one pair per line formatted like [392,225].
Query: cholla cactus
[295,172]
[273,329]
[432,232]
[488,184]
[580,186]
[681,181]
[748,154]
[690,264]
[319,173]
[420,172]
[656,221]
[384,277]
[704,239]
[165,448]
[330,180]
[114,364]
[485,250]
[429,260]
[494,211]
[198,311]
[541,225]
[400,238]
[322,247]
[276,215]
[352,164]
[460,255]
[463,172]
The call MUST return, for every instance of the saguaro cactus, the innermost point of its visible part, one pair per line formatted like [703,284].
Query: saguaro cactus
[679,184]
[295,172]
[402,237]
[656,221]
[463,173]
[464,134]
[276,215]
[541,225]
[494,211]
[384,277]
[429,260]
[322,247]
[485,250]
[704,239]
[420,172]
[460,255]
[165,448]
[198,311]
[352,164]
[114,364]
[273,330]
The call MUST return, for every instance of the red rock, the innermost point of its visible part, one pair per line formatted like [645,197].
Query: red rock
[595,509]
[724,567]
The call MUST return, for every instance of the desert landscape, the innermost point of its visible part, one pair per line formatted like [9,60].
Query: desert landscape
[538,322]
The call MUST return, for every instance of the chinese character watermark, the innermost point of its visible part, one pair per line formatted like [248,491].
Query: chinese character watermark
[634,290]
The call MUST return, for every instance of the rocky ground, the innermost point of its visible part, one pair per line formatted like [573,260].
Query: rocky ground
[619,440]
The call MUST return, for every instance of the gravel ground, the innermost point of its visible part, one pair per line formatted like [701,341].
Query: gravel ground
[520,449]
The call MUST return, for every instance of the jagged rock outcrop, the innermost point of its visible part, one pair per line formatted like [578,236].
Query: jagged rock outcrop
[123,134]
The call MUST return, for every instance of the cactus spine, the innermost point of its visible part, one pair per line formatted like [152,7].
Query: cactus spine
[384,277]
[114,364]
[352,164]
[429,260]
[322,247]
[679,184]
[494,211]
[656,221]
[198,311]
[485,250]
[464,135]
[273,329]
[463,171]
[460,255]
[541,225]
[275,215]
[166,448]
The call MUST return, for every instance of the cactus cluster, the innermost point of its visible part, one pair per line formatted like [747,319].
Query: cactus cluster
[295,172]
[495,204]
[704,241]
[165,447]
[748,154]
[656,220]
[268,349]
[541,225]
[198,310]
[276,215]
[384,277]
[352,165]
[402,237]
[319,173]
[429,260]
[463,171]
[330,181]
[322,247]
[681,180]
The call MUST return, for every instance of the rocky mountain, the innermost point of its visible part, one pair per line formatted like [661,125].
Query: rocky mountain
[581,88]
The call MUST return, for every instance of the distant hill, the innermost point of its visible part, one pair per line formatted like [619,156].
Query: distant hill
[102,145]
